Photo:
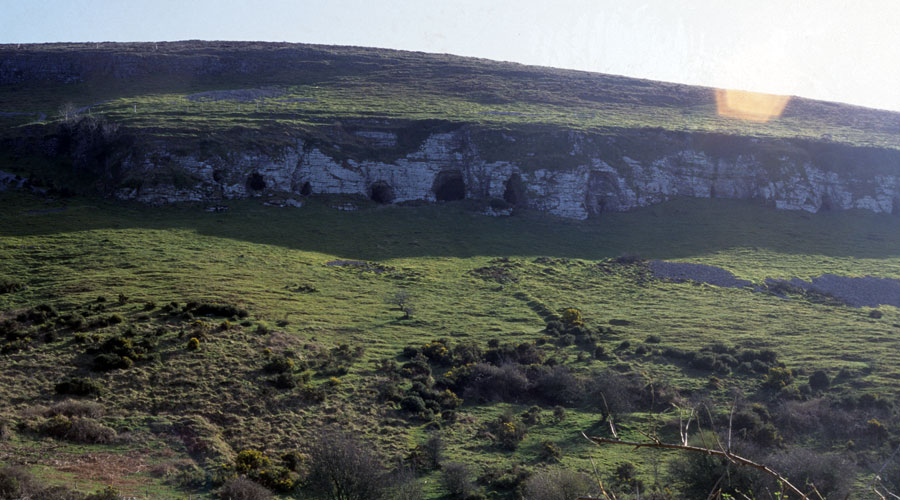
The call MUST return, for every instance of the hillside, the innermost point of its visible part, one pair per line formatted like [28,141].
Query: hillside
[207,121]
[244,259]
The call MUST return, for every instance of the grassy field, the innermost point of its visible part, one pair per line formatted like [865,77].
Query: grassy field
[158,90]
[469,277]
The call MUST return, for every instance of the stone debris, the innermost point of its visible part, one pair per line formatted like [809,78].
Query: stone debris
[289,202]
[701,273]
[866,291]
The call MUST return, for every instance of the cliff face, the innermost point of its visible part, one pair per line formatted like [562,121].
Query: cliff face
[584,175]
[398,126]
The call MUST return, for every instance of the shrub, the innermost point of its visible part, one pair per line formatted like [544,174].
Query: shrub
[250,460]
[73,408]
[550,452]
[456,478]
[492,383]
[107,362]
[653,339]
[241,488]
[508,431]
[221,310]
[193,344]
[832,474]
[778,377]
[279,364]
[107,493]
[149,306]
[624,478]
[79,430]
[565,340]
[413,404]
[433,450]
[559,413]
[558,386]
[559,484]
[699,473]
[343,468]
[572,317]
[16,482]
[532,416]
[8,285]
[819,381]
[875,314]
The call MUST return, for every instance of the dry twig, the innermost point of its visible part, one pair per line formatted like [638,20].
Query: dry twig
[731,457]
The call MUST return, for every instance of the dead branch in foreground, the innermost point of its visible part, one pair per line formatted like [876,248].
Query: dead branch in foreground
[731,457]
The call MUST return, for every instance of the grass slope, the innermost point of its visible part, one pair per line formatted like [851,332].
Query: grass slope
[274,263]
[321,89]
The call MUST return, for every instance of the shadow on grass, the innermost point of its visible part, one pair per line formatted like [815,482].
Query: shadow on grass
[676,229]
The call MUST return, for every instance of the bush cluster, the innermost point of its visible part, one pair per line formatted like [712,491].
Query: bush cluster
[724,359]
[121,352]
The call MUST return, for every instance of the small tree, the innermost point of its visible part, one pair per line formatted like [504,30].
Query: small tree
[68,112]
[456,478]
[344,468]
[402,301]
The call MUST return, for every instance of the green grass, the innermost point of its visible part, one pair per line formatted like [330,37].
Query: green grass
[259,258]
[343,86]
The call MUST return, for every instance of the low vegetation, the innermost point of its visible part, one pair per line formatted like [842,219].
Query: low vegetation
[178,347]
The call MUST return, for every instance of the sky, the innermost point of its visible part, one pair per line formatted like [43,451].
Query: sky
[836,50]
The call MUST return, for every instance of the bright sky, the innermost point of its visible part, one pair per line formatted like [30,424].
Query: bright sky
[838,50]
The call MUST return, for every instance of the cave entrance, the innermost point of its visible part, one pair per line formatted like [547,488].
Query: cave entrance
[514,194]
[256,181]
[449,186]
[381,192]
[306,189]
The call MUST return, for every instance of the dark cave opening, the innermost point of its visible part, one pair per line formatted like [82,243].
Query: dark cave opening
[515,190]
[256,181]
[381,192]
[449,186]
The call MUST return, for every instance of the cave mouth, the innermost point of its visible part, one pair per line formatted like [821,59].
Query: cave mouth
[381,192]
[514,194]
[449,186]
[256,181]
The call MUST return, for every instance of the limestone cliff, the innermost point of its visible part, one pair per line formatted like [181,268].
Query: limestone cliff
[601,173]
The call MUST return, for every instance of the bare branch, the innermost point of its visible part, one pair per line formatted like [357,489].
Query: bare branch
[612,426]
[731,457]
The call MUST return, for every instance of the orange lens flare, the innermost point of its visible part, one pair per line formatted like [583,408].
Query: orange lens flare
[751,106]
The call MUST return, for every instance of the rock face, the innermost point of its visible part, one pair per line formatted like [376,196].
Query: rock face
[582,175]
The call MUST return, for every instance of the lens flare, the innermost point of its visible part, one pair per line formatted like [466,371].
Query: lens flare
[751,106]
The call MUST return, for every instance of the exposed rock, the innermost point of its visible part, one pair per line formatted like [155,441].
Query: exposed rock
[866,291]
[453,165]
[701,273]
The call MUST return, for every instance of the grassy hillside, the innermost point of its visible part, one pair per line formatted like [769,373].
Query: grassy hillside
[301,311]
[184,91]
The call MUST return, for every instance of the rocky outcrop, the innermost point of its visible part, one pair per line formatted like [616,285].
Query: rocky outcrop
[584,175]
